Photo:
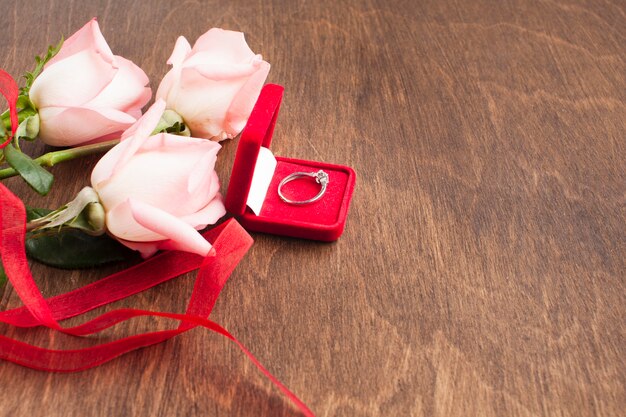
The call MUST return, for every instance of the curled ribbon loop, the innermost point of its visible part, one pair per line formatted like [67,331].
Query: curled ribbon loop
[230,241]
[10,91]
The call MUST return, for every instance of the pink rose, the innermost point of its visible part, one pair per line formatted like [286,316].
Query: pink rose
[157,191]
[215,85]
[87,94]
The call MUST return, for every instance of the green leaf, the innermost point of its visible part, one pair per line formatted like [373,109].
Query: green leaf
[30,76]
[6,120]
[33,213]
[29,128]
[23,102]
[73,249]
[26,108]
[37,177]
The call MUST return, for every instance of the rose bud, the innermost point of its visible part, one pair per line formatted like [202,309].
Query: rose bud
[87,94]
[215,85]
[157,191]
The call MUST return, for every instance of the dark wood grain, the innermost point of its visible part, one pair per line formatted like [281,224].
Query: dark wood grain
[483,268]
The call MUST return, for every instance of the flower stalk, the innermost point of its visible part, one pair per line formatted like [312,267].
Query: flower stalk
[52,158]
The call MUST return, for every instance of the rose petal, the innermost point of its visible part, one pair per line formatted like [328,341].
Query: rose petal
[158,174]
[140,130]
[73,81]
[218,71]
[169,85]
[171,79]
[136,113]
[224,45]
[104,168]
[202,174]
[126,91]
[182,236]
[121,223]
[87,37]
[148,122]
[209,214]
[185,146]
[134,143]
[204,103]
[243,103]
[66,126]
[180,52]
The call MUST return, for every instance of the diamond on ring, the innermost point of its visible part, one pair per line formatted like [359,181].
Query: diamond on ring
[321,178]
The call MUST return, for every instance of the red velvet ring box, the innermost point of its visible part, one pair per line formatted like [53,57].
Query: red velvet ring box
[252,194]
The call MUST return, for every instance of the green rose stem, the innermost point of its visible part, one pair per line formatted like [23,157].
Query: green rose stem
[52,158]
[21,115]
[6,125]
[6,119]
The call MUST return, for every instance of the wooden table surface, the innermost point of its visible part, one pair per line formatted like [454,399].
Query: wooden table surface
[482,270]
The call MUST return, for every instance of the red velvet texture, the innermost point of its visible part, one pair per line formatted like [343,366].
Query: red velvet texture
[323,220]
[258,132]
[10,91]
[230,241]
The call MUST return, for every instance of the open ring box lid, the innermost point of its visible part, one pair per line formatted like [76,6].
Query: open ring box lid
[252,194]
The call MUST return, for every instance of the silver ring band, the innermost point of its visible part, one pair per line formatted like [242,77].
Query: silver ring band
[320,177]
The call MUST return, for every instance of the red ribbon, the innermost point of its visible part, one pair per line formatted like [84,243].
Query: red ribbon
[230,241]
[10,91]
